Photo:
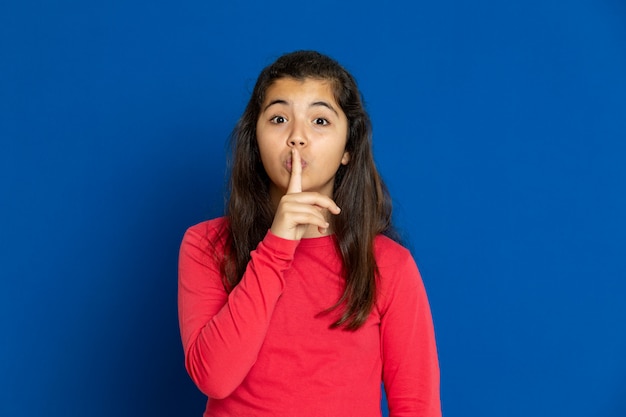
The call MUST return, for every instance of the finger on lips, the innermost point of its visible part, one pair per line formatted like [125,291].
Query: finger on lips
[295,180]
[304,207]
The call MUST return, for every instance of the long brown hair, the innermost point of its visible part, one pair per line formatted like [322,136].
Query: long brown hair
[358,189]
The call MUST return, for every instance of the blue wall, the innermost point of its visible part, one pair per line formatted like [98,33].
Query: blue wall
[499,127]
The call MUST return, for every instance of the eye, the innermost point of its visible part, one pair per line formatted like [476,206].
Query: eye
[321,121]
[278,119]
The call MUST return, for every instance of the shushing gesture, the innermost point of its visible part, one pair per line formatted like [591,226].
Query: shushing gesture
[299,213]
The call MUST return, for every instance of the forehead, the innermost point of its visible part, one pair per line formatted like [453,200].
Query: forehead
[305,89]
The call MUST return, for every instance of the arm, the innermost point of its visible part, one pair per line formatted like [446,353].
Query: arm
[223,333]
[410,364]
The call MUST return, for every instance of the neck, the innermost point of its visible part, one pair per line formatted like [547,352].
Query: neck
[313,231]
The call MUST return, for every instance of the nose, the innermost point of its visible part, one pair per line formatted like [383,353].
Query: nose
[297,136]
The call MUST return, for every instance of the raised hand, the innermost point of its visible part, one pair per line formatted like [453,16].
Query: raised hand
[297,210]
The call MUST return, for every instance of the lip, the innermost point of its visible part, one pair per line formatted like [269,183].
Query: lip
[287,164]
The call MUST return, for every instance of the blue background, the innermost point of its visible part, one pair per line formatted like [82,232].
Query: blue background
[499,128]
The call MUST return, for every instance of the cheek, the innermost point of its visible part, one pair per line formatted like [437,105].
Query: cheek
[263,145]
[267,139]
[268,159]
[265,161]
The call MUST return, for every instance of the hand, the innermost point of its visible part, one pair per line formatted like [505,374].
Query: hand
[298,210]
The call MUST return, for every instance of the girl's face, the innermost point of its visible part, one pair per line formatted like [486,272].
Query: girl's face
[302,114]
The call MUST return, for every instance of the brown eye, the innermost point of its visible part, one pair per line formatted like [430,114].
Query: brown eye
[320,121]
[278,119]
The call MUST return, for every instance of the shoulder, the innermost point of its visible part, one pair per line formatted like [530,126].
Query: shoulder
[207,236]
[390,253]
[201,256]
[208,230]
[397,272]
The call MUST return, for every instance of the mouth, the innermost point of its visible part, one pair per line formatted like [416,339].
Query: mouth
[288,164]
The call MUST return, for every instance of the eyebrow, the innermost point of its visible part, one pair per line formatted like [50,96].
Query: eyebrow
[316,103]
[325,104]
[271,103]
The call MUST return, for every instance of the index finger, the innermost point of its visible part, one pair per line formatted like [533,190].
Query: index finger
[295,181]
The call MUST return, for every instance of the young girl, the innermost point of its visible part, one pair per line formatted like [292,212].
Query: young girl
[297,303]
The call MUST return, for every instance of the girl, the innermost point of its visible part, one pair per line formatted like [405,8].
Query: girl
[297,302]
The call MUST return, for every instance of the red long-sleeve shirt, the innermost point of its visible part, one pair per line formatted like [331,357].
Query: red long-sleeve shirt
[265,349]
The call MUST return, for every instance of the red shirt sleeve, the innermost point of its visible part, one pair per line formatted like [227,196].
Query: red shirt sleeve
[410,364]
[222,333]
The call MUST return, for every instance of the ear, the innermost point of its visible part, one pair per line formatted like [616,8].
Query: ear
[345,158]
